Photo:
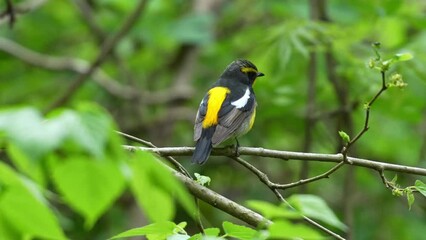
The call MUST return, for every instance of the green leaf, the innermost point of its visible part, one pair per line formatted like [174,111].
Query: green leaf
[315,207]
[410,198]
[202,180]
[159,206]
[197,236]
[282,229]
[345,137]
[25,164]
[272,211]
[25,209]
[214,232]
[181,226]
[160,228]
[209,234]
[151,178]
[89,187]
[88,128]
[91,128]
[7,230]
[238,231]
[421,187]
[194,29]
[400,57]
[27,131]
[394,179]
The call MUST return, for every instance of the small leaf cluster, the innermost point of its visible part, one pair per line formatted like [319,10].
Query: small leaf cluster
[284,224]
[172,231]
[396,81]
[409,191]
[383,65]
[344,136]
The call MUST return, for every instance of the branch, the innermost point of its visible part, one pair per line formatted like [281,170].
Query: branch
[274,188]
[150,144]
[312,179]
[218,201]
[106,49]
[209,196]
[367,114]
[76,65]
[87,14]
[287,155]
[11,12]
[81,66]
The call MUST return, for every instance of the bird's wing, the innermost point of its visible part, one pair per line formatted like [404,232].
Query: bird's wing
[232,115]
[201,114]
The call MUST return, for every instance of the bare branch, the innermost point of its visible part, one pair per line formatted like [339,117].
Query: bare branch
[76,65]
[80,66]
[87,14]
[312,179]
[287,155]
[17,9]
[367,114]
[385,181]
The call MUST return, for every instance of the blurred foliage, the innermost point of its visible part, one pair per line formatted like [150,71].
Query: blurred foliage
[173,53]
[89,172]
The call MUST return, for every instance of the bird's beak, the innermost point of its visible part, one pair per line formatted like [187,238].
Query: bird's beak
[259,74]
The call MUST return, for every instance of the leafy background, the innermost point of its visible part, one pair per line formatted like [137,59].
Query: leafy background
[163,67]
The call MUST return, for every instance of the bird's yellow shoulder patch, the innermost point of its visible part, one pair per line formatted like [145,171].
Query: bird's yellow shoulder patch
[216,97]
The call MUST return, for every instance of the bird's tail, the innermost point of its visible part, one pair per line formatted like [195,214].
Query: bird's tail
[203,146]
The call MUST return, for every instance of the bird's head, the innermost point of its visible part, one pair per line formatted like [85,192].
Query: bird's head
[242,70]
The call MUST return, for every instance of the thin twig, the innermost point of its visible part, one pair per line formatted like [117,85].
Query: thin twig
[274,188]
[21,8]
[384,180]
[312,179]
[136,139]
[10,11]
[264,178]
[150,144]
[322,228]
[367,115]
[106,49]
[87,14]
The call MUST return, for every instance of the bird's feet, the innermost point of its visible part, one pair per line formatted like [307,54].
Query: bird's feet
[237,146]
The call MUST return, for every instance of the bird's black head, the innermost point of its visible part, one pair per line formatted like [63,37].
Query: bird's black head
[242,70]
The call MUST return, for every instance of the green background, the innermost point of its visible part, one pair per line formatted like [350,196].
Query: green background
[178,48]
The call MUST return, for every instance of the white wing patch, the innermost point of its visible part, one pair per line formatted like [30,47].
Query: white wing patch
[240,103]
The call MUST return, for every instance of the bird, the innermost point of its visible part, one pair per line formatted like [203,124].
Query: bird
[227,110]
